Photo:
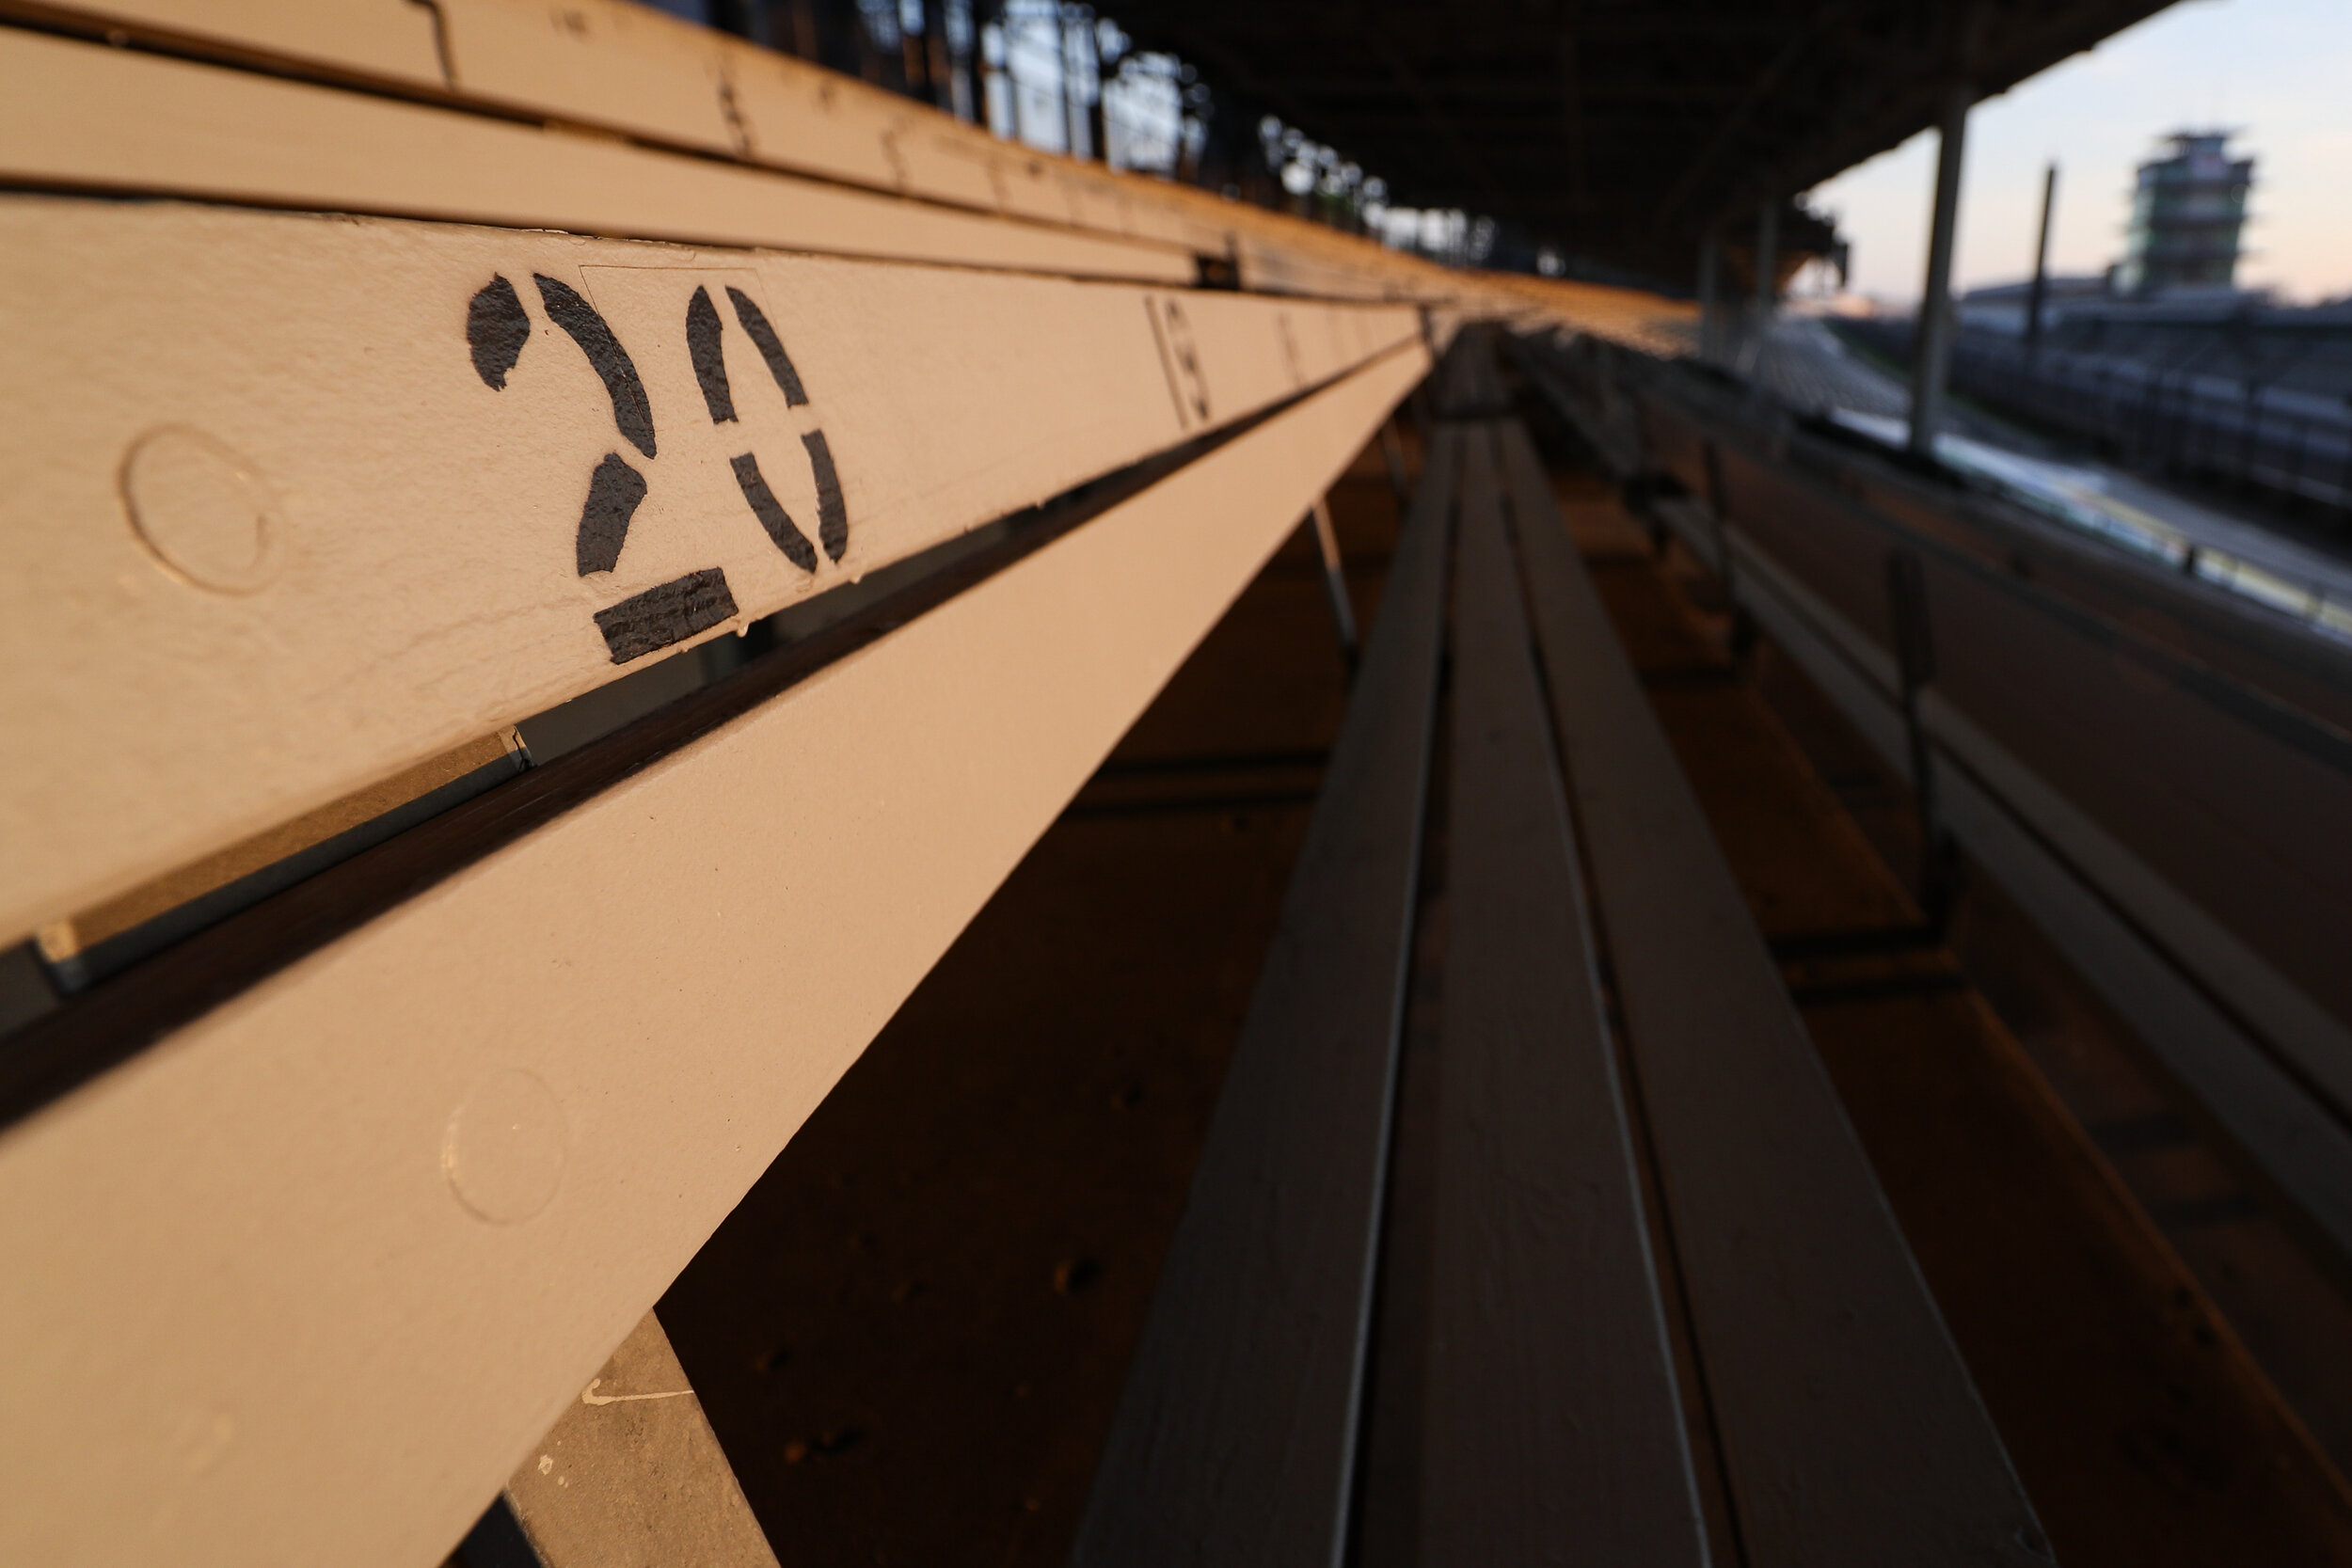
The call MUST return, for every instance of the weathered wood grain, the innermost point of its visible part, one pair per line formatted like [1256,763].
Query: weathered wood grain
[2063,866]
[609,63]
[655,80]
[1553,1431]
[631,1473]
[1235,1437]
[251,1283]
[1851,1429]
[419,578]
[234,136]
[391,45]
[626,72]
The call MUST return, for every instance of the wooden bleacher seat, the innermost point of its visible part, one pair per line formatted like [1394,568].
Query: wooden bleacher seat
[1661,1264]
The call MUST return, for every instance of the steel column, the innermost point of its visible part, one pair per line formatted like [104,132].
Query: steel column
[1932,350]
[1710,297]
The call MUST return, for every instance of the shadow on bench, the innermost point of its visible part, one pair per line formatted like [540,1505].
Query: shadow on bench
[1658,1311]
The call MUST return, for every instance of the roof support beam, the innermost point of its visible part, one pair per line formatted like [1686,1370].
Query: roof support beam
[1752,99]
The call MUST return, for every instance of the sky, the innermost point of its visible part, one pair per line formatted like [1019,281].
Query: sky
[2277,72]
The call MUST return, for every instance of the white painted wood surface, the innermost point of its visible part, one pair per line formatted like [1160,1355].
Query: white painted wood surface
[630,68]
[1850,1427]
[1235,1440]
[235,135]
[274,537]
[419,584]
[367,38]
[1551,1427]
[640,77]
[627,69]
[250,1292]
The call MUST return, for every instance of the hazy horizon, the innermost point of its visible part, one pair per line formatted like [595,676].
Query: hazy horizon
[2279,73]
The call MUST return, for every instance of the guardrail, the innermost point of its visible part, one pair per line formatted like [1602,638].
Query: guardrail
[2167,420]
[2156,770]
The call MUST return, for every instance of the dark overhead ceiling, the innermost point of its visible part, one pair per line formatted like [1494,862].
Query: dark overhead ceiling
[1620,130]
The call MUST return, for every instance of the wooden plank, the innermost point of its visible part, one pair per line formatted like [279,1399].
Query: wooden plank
[1850,1428]
[2076,1321]
[612,63]
[108,937]
[626,67]
[390,43]
[420,580]
[1282,263]
[2206,1004]
[1234,1441]
[1553,1429]
[232,135]
[2233,797]
[623,67]
[251,1284]
[620,67]
[251,1273]
[2153,955]
[631,1473]
[659,78]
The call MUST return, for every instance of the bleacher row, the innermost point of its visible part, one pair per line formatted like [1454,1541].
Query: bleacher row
[1656,1235]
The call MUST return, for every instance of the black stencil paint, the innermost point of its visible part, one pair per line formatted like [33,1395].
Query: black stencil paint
[631,412]
[613,491]
[703,329]
[833,518]
[770,347]
[772,516]
[1188,360]
[496,330]
[51,1054]
[647,622]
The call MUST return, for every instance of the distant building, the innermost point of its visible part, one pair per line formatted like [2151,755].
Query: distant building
[2188,214]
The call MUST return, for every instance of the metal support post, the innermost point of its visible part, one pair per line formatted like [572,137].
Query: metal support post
[2040,264]
[1098,124]
[1932,348]
[1335,582]
[1079,70]
[1710,297]
[1767,262]
[802,15]
[1914,663]
[914,63]
[1393,451]
[1739,635]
